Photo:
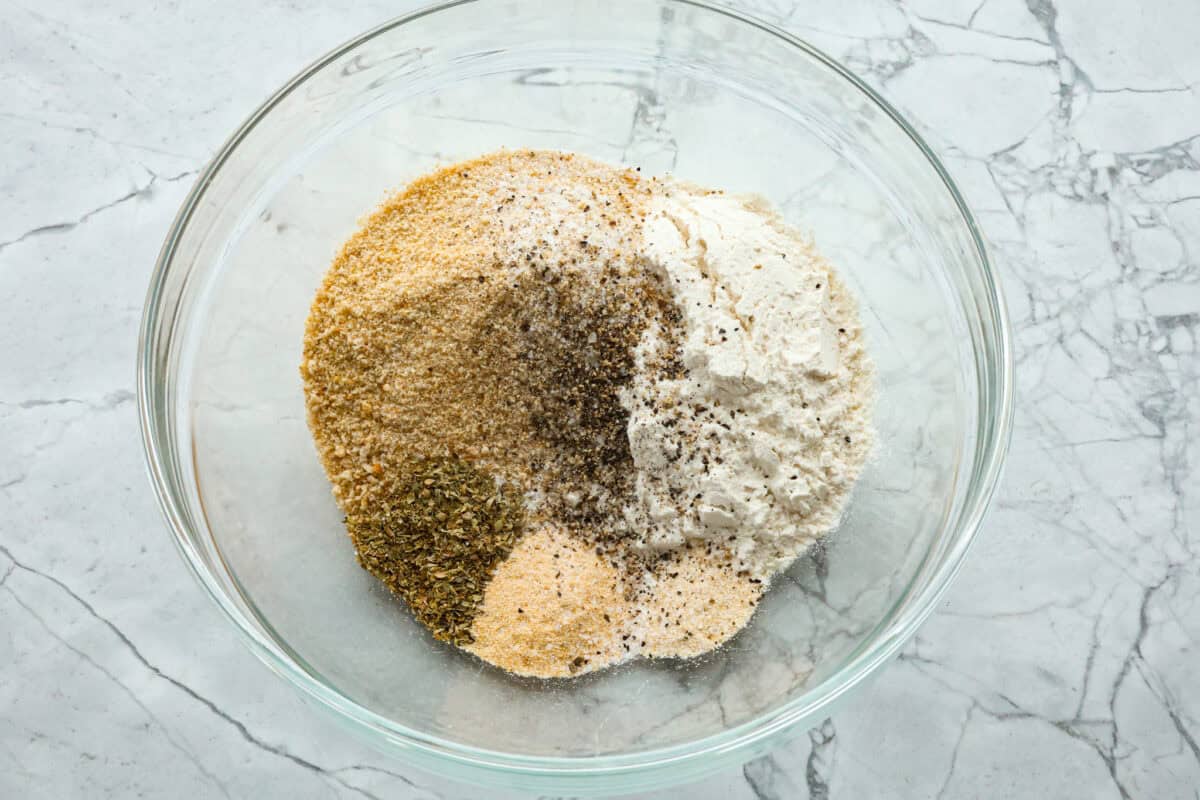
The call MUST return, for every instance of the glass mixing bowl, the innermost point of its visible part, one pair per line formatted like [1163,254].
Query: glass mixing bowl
[671,86]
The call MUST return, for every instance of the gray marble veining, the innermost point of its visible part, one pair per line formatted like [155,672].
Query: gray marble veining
[1061,664]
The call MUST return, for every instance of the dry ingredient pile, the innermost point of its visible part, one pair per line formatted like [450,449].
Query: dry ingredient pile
[574,415]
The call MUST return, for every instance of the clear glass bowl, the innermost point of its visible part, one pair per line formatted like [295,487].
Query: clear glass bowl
[667,85]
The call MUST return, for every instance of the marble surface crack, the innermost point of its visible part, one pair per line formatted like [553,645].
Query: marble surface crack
[768,780]
[95,134]
[381,771]
[975,13]
[992,34]
[210,705]
[110,401]
[1016,712]
[818,768]
[170,737]
[962,734]
[64,227]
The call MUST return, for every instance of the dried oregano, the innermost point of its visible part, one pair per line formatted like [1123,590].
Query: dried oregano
[435,539]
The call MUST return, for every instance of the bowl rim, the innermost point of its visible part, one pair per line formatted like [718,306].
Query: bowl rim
[989,459]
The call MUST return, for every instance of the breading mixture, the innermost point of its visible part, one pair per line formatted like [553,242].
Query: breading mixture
[574,415]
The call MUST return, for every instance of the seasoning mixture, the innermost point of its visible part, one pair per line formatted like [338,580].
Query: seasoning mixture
[574,415]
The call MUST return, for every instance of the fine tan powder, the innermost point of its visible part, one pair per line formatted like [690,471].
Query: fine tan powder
[692,605]
[554,609]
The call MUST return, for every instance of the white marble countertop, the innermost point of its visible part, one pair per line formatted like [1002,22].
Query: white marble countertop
[1062,663]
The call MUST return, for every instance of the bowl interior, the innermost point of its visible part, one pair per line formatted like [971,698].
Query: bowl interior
[668,87]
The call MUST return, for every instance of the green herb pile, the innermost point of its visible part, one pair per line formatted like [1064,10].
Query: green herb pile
[435,539]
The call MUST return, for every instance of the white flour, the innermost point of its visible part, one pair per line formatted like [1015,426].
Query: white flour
[756,449]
